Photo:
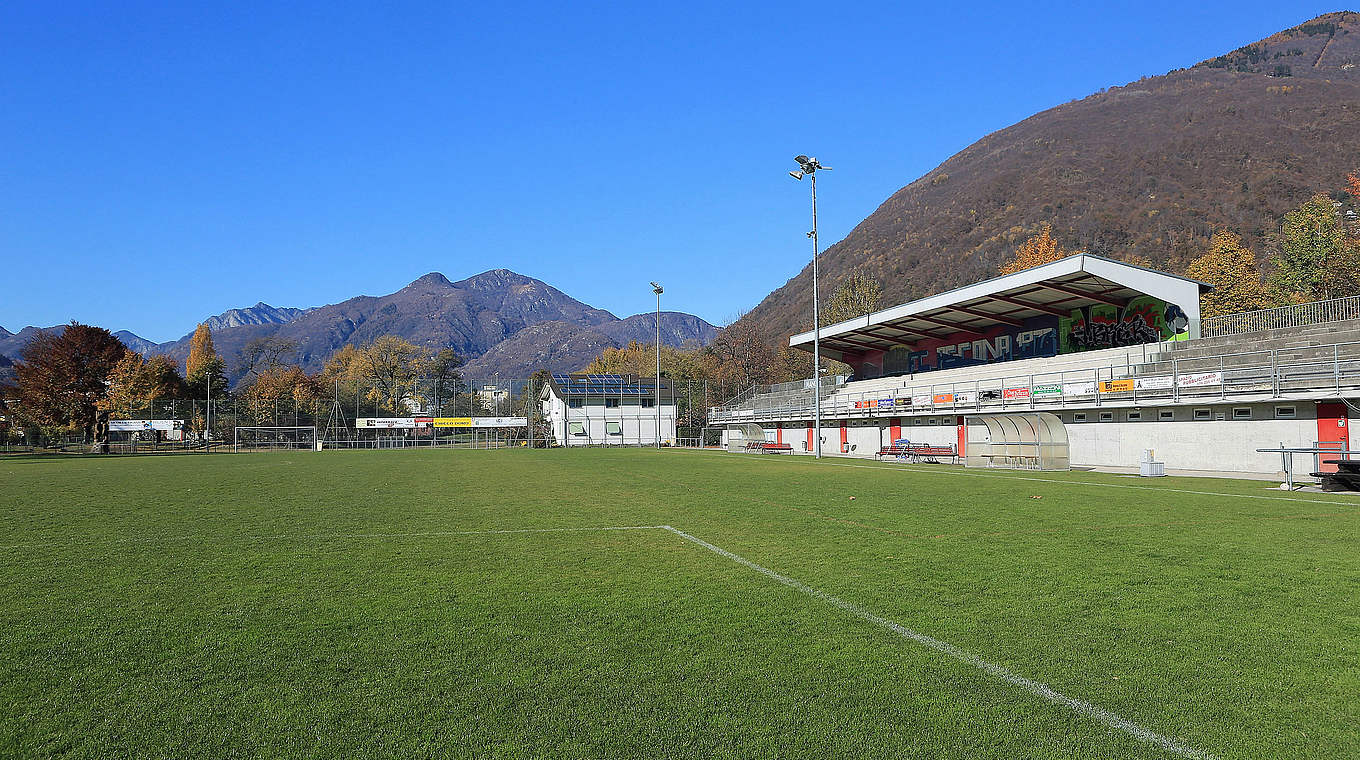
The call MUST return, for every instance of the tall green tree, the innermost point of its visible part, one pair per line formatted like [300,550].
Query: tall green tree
[1313,252]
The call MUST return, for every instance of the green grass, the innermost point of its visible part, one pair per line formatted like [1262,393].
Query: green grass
[305,604]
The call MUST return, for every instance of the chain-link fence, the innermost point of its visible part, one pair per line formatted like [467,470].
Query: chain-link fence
[423,412]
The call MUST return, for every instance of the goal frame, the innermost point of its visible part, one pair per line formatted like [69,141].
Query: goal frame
[236,437]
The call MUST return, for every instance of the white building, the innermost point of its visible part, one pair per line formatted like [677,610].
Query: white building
[607,410]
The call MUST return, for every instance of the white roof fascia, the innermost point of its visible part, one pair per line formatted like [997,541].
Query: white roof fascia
[1178,290]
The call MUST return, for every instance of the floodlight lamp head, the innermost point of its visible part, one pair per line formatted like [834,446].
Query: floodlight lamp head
[796,175]
[801,159]
[657,289]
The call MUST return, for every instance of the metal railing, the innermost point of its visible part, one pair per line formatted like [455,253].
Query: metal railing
[1334,370]
[1293,315]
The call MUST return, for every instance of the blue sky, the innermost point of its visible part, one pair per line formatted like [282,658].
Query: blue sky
[166,162]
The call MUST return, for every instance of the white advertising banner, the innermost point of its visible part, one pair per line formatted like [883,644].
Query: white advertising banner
[500,422]
[1160,382]
[1082,388]
[965,397]
[129,426]
[923,399]
[385,422]
[1197,379]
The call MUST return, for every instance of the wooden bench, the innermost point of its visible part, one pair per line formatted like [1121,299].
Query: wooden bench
[918,452]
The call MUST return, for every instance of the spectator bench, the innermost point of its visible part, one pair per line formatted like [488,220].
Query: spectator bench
[918,452]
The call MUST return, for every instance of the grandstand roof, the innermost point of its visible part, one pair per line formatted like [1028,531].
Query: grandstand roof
[1049,289]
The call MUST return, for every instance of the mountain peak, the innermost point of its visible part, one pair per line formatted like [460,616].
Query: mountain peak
[259,314]
[495,279]
[433,278]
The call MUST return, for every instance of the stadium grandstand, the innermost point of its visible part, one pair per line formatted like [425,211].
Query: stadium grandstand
[1099,359]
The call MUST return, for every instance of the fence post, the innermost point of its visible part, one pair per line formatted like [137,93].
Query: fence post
[1274,372]
[1336,367]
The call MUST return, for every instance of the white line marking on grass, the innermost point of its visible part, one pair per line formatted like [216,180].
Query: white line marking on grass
[1033,687]
[318,536]
[958,473]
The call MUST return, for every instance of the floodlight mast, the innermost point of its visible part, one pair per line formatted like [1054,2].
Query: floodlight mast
[657,289]
[808,167]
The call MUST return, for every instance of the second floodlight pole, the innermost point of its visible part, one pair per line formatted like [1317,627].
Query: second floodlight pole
[657,402]
[816,330]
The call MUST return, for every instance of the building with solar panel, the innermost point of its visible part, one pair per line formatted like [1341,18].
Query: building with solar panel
[608,410]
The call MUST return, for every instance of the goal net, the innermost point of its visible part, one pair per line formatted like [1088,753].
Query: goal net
[270,438]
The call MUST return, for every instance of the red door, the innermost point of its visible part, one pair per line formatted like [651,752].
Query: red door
[896,430]
[779,434]
[810,445]
[963,435]
[1332,431]
[845,437]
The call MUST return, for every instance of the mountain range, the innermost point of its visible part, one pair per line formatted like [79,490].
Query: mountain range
[1146,171]
[500,321]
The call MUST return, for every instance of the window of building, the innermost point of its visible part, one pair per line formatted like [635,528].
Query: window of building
[576,428]
[575,403]
[611,403]
[1135,416]
[1241,412]
[920,420]
[1166,414]
[932,421]
[1285,412]
[613,428]
[1107,416]
[1079,417]
[648,403]
[1204,414]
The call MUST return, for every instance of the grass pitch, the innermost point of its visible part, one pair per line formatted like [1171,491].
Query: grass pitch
[352,604]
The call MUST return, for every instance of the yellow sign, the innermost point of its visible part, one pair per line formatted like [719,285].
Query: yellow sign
[453,422]
[1116,386]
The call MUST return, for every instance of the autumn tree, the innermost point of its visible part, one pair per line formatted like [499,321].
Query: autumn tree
[281,384]
[640,359]
[389,364]
[264,353]
[1041,248]
[204,371]
[62,377]
[442,367]
[857,295]
[743,357]
[1231,268]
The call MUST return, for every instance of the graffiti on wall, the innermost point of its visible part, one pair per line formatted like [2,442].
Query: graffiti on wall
[1037,338]
[1143,320]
